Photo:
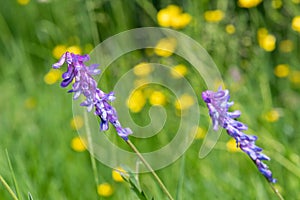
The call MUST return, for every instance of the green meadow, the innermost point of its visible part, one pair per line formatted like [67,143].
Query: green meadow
[254,44]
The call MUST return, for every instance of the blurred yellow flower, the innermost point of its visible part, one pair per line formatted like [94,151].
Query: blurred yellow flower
[23,2]
[213,15]
[262,32]
[179,71]
[296,1]
[219,83]
[136,101]
[276,4]
[296,23]
[231,146]
[286,46]
[184,102]
[142,69]
[181,21]
[172,16]
[200,133]
[230,29]
[52,76]
[282,70]
[58,51]
[272,116]
[105,189]
[157,98]
[116,174]
[77,144]
[140,82]
[165,47]
[265,40]
[30,103]
[295,77]
[248,3]
[76,122]
[74,49]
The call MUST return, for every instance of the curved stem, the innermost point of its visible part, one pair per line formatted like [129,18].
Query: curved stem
[163,187]
[91,149]
[276,192]
[8,188]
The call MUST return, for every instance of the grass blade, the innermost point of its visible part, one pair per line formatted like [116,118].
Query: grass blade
[11,192]
[13,175]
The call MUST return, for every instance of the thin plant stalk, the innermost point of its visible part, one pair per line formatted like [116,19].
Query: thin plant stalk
[11,192]
[276,192]
[13,175]
[163,187]
[91,149]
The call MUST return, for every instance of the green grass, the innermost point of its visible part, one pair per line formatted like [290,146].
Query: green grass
[37,138]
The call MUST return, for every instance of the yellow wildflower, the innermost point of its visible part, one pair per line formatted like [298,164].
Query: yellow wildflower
[58,51]
[74,49]
[265,40]
[181,21]
[296,23]
[179,71]
[248,3]
[52,76]
[213,15]
[30,103]
[116,174]
[231,146]
[286,46]
[165,47]
[200,133]
[76,122]
[77,144]
[295,77]
[272,116]
[172,16]
[230,29]
[184,102]
[136,101]
[157,98]
[23,2]
[276,4]
[282,70]
[105,189]
[142,69]
[140,82]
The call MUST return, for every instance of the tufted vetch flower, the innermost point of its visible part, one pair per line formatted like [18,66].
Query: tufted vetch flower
[218,105]
[86,85]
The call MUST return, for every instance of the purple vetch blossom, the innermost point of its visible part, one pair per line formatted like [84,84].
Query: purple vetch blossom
[86,85]
[218,104]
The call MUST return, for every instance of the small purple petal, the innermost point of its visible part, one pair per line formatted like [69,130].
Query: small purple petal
[60,62]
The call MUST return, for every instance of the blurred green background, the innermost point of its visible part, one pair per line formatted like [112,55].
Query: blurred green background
[255,44]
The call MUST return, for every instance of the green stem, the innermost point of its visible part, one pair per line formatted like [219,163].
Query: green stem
[13,175]
[276,192]
[8,188]
[91,149]
[163,187]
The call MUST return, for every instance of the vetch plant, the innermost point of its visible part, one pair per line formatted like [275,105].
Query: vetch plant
[86,85]
[218,105]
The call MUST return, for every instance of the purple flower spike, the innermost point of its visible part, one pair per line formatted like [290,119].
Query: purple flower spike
[86,85]
[217,103]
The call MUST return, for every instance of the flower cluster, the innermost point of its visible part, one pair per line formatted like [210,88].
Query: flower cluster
[86,85]
[218,104]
